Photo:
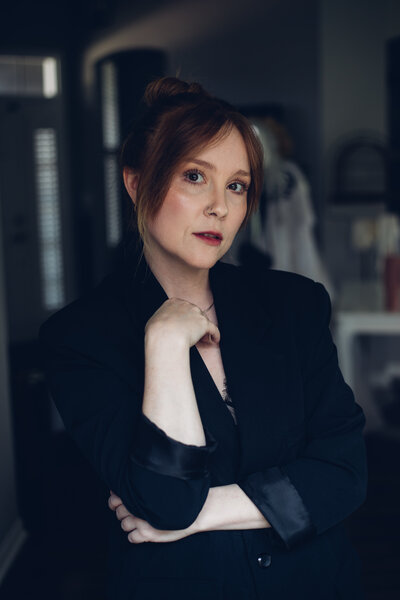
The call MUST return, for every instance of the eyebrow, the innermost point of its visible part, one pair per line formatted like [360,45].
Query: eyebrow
[204,163]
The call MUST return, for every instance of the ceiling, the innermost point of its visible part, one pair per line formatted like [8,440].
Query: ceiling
[63,24]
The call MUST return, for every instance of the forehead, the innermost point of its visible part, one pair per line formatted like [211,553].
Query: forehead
[228,151]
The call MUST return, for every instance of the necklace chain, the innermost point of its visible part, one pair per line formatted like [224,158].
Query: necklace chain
[207,309]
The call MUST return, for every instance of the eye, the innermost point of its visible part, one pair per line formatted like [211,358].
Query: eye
[194,176]
[239,187]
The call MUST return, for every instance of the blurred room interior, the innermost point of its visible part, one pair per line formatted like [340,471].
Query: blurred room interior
[321,81]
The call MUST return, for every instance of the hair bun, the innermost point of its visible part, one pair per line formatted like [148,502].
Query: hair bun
[165,87]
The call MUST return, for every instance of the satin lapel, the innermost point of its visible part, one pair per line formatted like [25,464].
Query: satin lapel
[253,353]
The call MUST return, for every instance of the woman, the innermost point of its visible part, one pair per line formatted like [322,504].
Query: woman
[209,401]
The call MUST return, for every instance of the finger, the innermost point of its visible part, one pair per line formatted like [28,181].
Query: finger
[214,334]
[134,537]
[113,494]
[122,512]
[128,523]
[114,501]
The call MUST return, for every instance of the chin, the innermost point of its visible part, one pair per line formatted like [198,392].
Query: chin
[203,262]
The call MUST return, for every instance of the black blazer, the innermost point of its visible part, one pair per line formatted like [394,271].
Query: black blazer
[297,450]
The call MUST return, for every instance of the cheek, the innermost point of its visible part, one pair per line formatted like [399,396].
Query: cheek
[177,206]
[173,212]
[180,208]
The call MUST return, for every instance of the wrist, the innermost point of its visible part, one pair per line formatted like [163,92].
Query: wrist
[201,523]
[155,338]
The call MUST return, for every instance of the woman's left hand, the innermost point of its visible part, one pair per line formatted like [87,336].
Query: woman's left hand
[139,530]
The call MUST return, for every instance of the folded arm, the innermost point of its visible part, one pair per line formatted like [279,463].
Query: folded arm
[226,507]
[102,412]
[327,479]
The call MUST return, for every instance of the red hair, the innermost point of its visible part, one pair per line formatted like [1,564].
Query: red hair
[181,118]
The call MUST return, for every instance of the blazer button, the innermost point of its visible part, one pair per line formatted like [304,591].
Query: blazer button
[264,560]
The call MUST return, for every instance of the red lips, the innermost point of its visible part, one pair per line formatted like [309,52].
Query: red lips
[216,234]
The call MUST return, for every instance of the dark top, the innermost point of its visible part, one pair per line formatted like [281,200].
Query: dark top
[296,450]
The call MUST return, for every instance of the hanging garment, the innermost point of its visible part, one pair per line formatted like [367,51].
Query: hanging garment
[286,232]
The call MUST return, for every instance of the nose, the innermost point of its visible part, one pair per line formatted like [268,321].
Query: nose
[217,204]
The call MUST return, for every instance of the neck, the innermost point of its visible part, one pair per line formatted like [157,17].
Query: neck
[181,281]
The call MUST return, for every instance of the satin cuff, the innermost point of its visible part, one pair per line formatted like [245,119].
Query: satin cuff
[156,451]
[279,501]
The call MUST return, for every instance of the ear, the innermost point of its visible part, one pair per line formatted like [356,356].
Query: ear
[131,180]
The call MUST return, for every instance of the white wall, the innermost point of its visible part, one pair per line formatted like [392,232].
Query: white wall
[12,534]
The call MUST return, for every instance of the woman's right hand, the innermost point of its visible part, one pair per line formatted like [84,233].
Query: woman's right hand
[178,319]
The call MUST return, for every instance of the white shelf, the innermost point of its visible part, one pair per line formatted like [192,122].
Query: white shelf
[368,322]
[347,327]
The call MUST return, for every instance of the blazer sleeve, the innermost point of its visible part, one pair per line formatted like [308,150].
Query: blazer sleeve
[327,481]
[158,478]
